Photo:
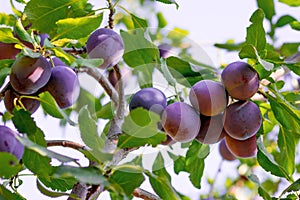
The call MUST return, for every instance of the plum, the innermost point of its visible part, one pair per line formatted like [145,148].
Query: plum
[42,38]
[181,122]
[208,97]
[106,44]
[164,50]
[28,74]
[211,130]
[63,86]
[9,143]
[225,152]
[8,51]
[242,148]
[58,62]
[30,104]
[242,120]
[240,80]
[150,99]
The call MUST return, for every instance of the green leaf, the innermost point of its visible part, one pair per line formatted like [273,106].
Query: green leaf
[89,62]
[177,35]
[87,99]
[58,184]
[89,175]
[7,36]
[194,162]
[230,46]
[162,22]
[6,194]
[144,75]
[138,22]
[256,35]
[162,187]
[127,177]
[169,2]
[167,74]
[267,163]
[89,135]
[7,19]
[291,2]
[44,151]
[140,128]
[21,32]
[106,111]
[284,20]
[9,165]
[49,193]
[293,187]
[285,114]
[288,49]
[287,145]
[40,11]
[158,167]
[295,25]
[76,28]
[179,164]
[247,51]
[261,191]
[24,122]
[139,51]
[268,7]
[182,71]
[50,106]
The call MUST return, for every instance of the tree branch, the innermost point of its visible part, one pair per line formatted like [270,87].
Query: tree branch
[65,143]
[104,82]
[140,193]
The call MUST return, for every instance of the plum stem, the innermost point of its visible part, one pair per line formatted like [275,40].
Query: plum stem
[111,14]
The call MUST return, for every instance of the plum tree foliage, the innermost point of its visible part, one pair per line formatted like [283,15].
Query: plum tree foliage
[170,102]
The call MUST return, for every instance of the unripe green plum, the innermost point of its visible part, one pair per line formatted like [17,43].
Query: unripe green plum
[242,120]
[181,122]
[225,152]
[63,86]
[242,148]
[106,44]
[9,143]
[150,99]
[8,51]
[240,80]
[208,97]
[28,74]
[211,130]
[30,104]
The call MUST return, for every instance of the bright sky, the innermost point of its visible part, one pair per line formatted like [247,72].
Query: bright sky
[209,22]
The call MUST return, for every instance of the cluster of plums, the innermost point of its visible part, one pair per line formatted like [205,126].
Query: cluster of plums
[209,119]
[31,76]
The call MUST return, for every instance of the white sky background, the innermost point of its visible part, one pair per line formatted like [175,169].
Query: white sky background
[209,22]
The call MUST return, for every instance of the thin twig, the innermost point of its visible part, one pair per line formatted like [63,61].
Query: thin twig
[111,14]
[140,193]
[104,82]
[75,51]
[211,191]
[65,143]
